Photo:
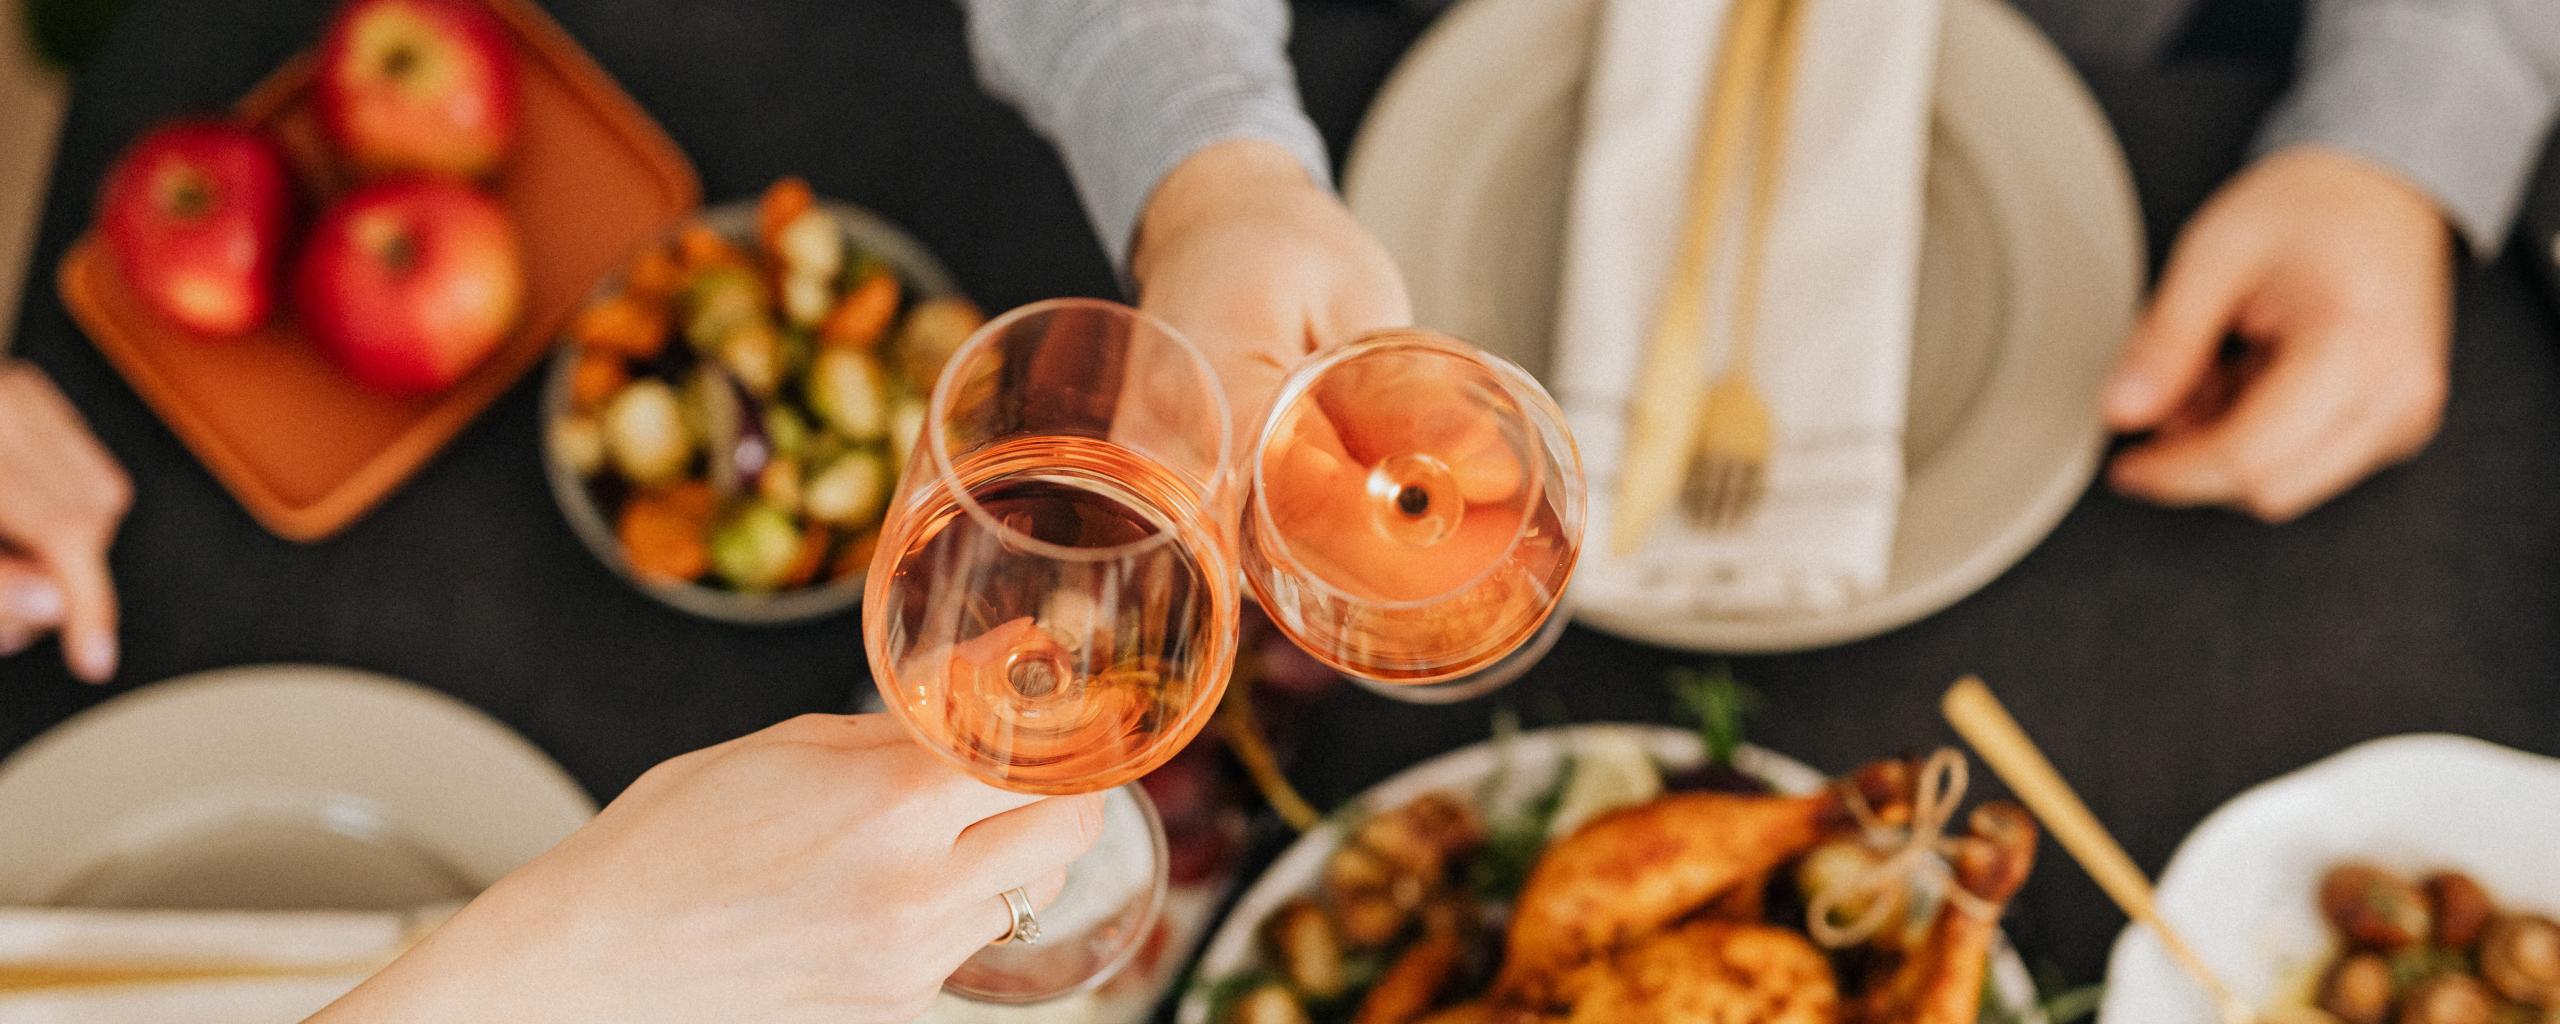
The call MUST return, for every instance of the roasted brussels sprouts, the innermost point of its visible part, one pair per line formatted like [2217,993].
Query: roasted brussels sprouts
[805,300]
[645,434]
[788,432]
[848,390]
[754,548]
[719,298]
[579,441]
[934,330]
[811,246]
[849,492]
[906,424]
[751,350]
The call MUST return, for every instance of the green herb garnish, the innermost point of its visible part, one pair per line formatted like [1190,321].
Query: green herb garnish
[1720,704]
[1512,845]
[1222,993]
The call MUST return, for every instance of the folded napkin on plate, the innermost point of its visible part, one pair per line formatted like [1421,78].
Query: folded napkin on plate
[233,1000]
[192,966]
[1833,346]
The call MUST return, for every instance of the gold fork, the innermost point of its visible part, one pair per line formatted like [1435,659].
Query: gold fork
[1729,460]
[1665,412]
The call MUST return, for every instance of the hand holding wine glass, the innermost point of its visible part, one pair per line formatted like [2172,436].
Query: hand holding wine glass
[1414,510]
[827,869]
[1259,265]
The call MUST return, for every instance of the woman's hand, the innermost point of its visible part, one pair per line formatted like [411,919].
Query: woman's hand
[2338,275]
[827,869]
[1258,265]
[61,498]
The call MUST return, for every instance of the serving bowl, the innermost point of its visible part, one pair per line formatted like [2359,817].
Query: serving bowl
[2243,887]
[922,277]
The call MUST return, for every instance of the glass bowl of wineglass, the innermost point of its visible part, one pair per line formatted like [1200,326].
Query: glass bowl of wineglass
[1053,607]
[1414,509]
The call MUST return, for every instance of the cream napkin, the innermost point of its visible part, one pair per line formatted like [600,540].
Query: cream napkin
[241,1000]
[99,966]
[1833,350]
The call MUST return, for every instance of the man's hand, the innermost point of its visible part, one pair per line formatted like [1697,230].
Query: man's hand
[1255,263]
[61,498]
[2338,276]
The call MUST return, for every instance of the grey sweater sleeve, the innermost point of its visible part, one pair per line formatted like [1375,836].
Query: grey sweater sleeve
[1127,88]
[2456,95]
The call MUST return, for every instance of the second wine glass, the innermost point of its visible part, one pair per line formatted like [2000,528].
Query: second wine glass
[1414,509]
[1053,608]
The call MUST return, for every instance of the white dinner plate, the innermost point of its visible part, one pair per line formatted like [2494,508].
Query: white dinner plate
[2243,888]
[2031,267]
[276,787]
[1533,759]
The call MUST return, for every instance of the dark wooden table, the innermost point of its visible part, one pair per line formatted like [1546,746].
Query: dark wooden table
[2167,659]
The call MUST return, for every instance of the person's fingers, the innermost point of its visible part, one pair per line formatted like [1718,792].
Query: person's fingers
[2208,276]
[1373,298]
[1027,842]
[88,612]
[2383,423]
[2333,463]
[846,732]
[30,601]
[1042,892]
[2306,394]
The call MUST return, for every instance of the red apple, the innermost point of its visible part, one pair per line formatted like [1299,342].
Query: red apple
[426,85]
[410,282]
[194,215]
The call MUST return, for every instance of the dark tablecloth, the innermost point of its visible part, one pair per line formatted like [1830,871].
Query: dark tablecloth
[2167,659]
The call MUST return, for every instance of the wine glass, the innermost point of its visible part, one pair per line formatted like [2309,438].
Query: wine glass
[1053,608]
[1414,507]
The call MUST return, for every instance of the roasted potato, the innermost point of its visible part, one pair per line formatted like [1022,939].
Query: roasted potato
[2520,957]
[2461,906]
[2358,989]
[1268,1004]
[1308,950]
[2449,999]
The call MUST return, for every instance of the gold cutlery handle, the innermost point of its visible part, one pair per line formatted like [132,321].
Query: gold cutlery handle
[1981,719]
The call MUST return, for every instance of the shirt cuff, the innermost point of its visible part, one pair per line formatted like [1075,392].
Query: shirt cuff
[1162,88]
[2438,93]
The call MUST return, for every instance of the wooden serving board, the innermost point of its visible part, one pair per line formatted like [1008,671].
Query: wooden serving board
[306,449]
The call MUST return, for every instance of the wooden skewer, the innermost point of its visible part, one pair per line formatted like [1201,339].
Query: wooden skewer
[1983,722]
[1666,401]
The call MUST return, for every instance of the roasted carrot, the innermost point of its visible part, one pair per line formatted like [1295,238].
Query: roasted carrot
[662,538]
[863,315]
[855,559]
[697,247]
[812,557]
[783,202]
[623,324]
[654,273]
[596,377]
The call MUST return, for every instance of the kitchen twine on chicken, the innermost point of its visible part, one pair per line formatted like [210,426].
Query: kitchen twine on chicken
[1913,851]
